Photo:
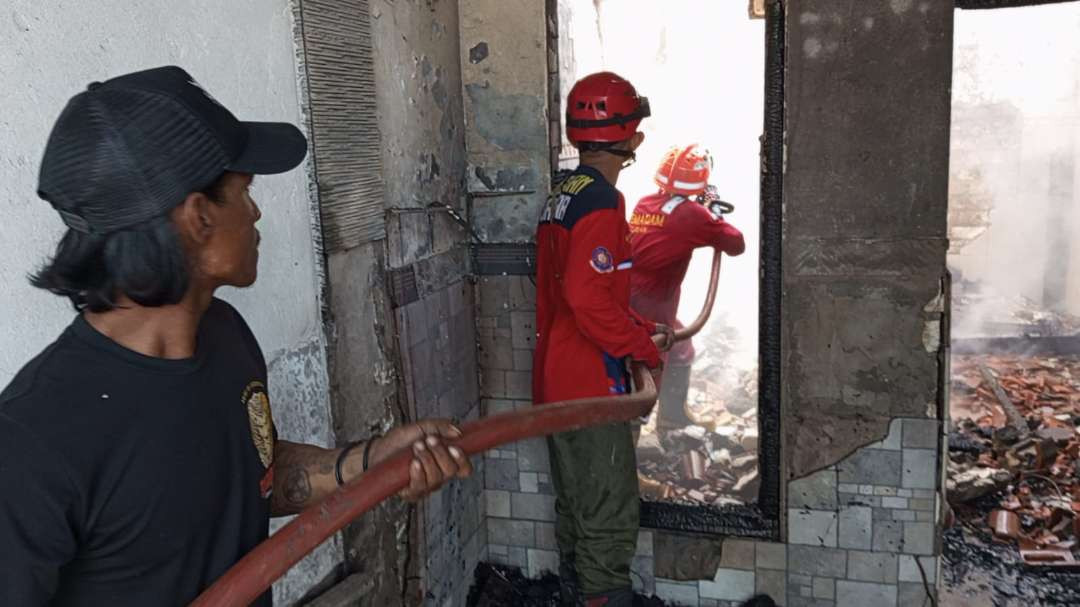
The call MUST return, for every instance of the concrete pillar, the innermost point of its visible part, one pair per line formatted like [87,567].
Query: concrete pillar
[865,204]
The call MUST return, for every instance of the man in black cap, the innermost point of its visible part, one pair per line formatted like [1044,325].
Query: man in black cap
[138,457]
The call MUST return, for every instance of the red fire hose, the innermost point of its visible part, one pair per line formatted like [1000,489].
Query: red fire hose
[695,327]
[254,573]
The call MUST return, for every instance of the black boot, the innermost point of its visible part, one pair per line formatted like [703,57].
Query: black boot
[673,390]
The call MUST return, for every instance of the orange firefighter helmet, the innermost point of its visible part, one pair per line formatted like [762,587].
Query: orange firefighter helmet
[684,171]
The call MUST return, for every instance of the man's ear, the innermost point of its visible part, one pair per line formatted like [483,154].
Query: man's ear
[193,218]
[636,141]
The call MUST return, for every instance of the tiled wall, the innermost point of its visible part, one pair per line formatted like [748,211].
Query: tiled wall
[520,502]
[854,528]
[438,342]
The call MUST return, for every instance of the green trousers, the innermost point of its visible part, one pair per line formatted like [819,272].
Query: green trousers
[594,472]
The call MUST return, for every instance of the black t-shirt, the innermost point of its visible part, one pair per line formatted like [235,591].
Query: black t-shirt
[130,480]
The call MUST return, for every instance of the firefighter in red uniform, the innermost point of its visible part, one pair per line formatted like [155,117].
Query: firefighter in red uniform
[586,335]
[665,229]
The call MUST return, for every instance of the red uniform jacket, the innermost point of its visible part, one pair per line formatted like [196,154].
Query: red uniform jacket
[585,328]
[665,230]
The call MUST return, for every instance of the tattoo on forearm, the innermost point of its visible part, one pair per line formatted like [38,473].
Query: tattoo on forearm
[303,474]
[297,487]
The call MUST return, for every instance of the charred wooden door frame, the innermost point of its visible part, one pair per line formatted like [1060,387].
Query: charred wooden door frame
[760,520]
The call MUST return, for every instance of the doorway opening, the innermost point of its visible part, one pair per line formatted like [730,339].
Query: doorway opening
[1013,479]
[702,66]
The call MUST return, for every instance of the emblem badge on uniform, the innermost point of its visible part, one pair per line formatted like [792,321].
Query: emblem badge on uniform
[257,403]
[602,261]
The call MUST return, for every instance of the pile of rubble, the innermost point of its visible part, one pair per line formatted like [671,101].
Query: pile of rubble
[1014,453]
[715,460]
[696,465]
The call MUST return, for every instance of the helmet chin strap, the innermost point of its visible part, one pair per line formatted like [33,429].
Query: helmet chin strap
[628,156]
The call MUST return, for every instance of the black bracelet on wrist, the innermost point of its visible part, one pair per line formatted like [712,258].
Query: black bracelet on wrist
[367,451]
[341,460]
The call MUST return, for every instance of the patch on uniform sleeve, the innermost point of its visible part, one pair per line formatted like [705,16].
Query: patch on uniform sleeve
[602,261]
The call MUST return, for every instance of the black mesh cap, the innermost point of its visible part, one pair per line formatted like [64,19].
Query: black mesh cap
[131,148]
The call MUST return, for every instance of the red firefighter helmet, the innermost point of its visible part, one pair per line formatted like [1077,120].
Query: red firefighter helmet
[684,171]
[603,108]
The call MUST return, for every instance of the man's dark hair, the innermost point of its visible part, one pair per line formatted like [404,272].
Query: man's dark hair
[147,263]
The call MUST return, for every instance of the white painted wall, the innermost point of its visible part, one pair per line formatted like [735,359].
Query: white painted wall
[240,50]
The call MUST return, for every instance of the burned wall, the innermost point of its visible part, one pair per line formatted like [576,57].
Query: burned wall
[418,93]
[383,97]
[865,202]
[505,63]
